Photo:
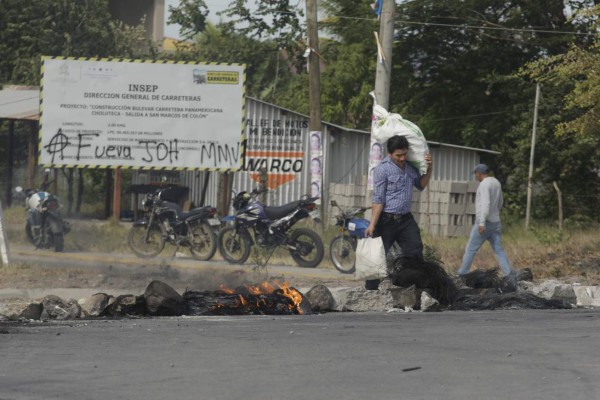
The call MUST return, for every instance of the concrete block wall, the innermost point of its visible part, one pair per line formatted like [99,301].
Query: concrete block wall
[444,208]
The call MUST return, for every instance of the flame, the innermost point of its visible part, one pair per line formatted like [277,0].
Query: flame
[226,289]
[293,295]
[267,288]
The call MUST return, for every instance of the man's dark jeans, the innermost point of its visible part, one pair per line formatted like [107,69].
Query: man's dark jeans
[402,229]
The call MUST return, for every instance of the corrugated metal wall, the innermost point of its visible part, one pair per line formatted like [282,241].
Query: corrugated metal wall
[345,158]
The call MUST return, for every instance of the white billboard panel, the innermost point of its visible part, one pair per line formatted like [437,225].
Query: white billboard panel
[141,114]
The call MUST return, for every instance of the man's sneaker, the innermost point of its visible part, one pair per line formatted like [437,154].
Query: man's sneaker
[509,283]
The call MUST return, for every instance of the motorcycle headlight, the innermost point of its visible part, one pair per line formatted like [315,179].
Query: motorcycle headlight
[52,204]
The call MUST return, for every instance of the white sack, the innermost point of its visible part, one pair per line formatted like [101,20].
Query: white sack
[370,259]
[385,125]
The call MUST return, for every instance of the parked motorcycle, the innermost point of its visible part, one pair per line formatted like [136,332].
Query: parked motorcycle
[256,224]
[342,248]
[45,228]
[165,221]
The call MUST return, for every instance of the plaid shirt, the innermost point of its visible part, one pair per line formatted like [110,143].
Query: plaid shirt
[393,187]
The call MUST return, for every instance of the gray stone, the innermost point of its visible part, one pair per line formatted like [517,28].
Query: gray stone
[56,308]
[555,290]
[564,292]
[161,299]
[21,309]
[408,297]
[428,303]
[126,304]
[94,305]
[587,296]
[359,299]
[320,299]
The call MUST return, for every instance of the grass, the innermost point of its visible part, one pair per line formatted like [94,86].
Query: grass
[572,254]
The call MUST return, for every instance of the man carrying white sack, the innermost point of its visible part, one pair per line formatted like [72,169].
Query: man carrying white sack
[393,182]
[488,203]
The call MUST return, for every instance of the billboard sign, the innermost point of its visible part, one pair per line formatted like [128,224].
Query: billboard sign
[141,114]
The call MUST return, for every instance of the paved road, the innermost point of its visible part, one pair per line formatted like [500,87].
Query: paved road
[450,355]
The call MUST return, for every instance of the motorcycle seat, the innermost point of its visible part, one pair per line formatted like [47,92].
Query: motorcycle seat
[194,211]
[276,212]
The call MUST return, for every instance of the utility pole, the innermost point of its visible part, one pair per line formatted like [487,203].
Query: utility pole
[531,156]
[383,74]
[314,77]
[314,70]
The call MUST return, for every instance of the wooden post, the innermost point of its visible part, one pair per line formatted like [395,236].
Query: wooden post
[31,153]
[314,78]
[383,73]
[560,206]
[531,156]
[9,162]
[3,240]
[117,194]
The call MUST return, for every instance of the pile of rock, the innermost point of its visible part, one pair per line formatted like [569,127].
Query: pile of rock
[159,299]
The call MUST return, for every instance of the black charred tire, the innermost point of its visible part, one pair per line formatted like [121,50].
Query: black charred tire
[29,233]
[58,240]
[309,248]
[142,248]
[203,241]
[233,247]
[342,251]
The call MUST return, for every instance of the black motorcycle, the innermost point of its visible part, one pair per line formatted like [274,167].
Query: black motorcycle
[255,224]
[45,228]
[165,221]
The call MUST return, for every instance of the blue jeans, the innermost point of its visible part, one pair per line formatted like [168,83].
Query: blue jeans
[493,234]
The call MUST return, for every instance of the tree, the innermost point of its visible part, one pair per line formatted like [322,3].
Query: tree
[572,87]
[277,20]
[190,15]
[452,58]
[30,29]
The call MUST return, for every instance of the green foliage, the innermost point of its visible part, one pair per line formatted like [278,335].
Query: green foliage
[69,28]
[190,15]
[548,237]
[277,20]
[567,149]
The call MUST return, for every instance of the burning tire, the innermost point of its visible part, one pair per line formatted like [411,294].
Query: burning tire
[309,250]
[234,248]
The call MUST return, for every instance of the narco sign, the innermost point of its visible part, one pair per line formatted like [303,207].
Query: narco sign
[281,166]
[275,147]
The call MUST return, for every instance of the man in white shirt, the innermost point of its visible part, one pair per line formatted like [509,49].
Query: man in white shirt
[488,203]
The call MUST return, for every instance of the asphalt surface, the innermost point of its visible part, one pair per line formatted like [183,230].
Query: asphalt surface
[448,355]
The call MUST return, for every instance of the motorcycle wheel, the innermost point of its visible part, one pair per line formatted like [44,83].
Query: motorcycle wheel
[145,248]
[233,247]
[59,242]
[342,251]
[29,232]
[203,241]
[309,248]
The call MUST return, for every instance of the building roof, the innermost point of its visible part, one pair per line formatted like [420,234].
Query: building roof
[360,131]
[20,102]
